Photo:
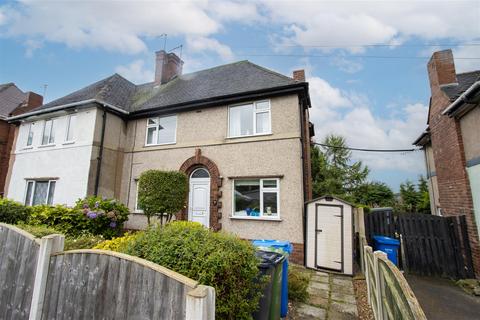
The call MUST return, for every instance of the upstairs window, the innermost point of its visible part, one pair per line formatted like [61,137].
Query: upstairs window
[161,130]
[250,119]
[48,132]
[39,192]
[30,135]
[71,120]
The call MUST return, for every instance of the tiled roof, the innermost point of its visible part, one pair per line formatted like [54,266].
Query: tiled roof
[465,80]
[226,80]
[10,98]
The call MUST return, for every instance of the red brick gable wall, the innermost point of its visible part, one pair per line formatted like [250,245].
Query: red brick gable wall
[455,195]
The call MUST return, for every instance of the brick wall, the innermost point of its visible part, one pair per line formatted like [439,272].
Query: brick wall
[455,197]
[297,255]
[7,132]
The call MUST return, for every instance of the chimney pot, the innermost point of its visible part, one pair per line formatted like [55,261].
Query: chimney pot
[299,75]
[441,69]
[167,66]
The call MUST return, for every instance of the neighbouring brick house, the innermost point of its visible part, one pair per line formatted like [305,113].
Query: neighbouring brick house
[239,131]
[13,101]
[452,145]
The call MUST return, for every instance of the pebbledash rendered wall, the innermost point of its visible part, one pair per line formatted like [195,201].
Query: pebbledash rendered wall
[66,162]
[471,143]
[277,154]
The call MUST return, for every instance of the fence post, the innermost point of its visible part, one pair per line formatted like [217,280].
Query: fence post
[378,283]
[201,303]
[367,271]
[49,244]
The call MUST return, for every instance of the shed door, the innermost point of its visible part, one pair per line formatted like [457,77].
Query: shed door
[329,236]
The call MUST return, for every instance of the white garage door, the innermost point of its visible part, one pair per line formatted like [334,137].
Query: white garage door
[329,234]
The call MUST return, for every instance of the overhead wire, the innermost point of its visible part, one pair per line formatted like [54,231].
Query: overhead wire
[367,149]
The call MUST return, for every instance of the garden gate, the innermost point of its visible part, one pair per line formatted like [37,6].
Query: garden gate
[431,245]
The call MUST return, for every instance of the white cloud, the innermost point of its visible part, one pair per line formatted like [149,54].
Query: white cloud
[136,72]
[113,26]
[204,44]
[347,65]
[344,24]
[349,114]
[465,65]
[31,45]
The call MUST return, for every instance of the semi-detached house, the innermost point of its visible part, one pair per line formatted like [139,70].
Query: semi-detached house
[239,131]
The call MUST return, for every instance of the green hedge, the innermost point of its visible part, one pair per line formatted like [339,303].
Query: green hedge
[217,259]
[13,212]
[82,241]
[92,215]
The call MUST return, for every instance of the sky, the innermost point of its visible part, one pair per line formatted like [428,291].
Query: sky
[365,61]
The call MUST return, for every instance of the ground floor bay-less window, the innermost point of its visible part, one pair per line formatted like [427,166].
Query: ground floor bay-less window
[256,198]
[39,192]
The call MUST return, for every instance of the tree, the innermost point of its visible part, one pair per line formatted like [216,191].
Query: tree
[162,193]
[415,198]
[333,172]
[409,196]
[424,196]
[374,194]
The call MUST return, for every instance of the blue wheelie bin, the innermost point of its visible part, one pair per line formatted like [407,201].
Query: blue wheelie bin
[286,248]
[389,246]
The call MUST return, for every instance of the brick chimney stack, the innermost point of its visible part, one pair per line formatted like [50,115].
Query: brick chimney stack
[299,75]
[167,66]
[441,69]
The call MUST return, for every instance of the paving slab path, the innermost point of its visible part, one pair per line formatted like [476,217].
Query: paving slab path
[331,297]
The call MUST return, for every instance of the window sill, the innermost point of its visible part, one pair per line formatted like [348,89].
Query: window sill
[47,145]
[158,145]
[256,218]
[68,142]
[27,148]
[251,135]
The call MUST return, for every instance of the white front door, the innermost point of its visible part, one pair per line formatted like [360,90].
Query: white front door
[199,200]
[329,237]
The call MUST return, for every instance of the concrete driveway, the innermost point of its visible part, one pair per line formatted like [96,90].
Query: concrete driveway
[442,299]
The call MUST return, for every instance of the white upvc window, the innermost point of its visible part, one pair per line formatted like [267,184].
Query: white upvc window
[71,127]
[48,136]
[256,198]
[136,206]
[39,192]
[249,119]
[161,130]
[30,135]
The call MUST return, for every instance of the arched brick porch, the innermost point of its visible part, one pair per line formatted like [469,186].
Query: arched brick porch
[193,163]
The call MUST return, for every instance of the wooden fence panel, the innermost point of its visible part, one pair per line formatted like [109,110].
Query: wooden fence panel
[99,284]
[18,260]
[432,245]
[389,293]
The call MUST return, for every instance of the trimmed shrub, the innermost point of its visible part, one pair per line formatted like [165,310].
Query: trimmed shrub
[162,193]
[68,221]
[117,244]
[217,259]
[84,241]
[298,281]
[89,216]
[104,216]
[13,212]
[38,231]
